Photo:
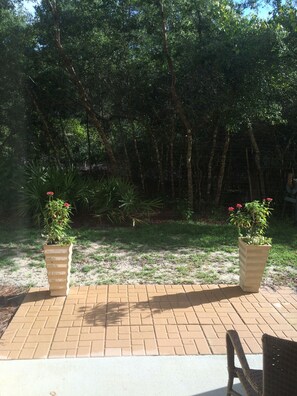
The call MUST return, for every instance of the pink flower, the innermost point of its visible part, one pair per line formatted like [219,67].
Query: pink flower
[231,209]
[268,199]
[66,204]
[50,193]
[238,206]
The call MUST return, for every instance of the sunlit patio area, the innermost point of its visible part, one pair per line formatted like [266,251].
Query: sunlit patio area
[146,320]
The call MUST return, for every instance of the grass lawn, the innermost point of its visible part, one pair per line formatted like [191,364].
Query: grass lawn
[170,253]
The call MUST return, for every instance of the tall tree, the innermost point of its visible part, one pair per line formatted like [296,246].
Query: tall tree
[84,97]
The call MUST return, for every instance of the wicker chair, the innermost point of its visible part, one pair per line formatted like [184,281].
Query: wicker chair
[279,374]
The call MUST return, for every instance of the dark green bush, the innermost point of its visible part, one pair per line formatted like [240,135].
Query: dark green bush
[11,176]
[112,199]
[67,184]
[118,201]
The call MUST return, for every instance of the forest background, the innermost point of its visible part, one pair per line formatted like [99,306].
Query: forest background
[128,104]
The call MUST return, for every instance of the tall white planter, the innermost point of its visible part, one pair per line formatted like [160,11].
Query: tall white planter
[58,264]
[253,259]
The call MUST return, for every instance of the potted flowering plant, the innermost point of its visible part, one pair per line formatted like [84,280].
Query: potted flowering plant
[251,219]
[58,247]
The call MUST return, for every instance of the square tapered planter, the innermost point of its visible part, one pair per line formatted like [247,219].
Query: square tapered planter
[58,264]
[253,259]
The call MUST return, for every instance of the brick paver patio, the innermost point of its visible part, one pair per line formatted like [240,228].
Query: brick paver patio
[127,320]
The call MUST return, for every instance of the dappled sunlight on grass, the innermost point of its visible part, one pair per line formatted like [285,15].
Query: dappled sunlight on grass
[173,235]
[173,253]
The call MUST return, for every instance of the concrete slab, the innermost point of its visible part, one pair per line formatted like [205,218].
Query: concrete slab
[118,376]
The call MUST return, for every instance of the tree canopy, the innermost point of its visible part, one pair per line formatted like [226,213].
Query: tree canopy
[189,100]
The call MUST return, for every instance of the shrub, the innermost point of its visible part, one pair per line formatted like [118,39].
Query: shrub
[118,201]
[67,184]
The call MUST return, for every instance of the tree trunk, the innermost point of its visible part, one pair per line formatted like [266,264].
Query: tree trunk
[249,173]
[128,166]
[139,162]
[158,158]
[198,178]
[210,162]
[46,128]
[190,171]
[180,176]
[172,136]
[222,169]
[179,110]
[66,143]
[282,153]
[89,145]
[257,160]
[199,183]
[84,97]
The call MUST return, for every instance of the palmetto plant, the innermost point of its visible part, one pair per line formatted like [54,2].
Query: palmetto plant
[118,201]
[114,199]
[67,184]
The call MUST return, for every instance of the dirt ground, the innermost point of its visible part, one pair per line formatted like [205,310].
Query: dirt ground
[10,299]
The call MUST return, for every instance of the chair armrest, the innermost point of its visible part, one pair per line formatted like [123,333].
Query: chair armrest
[234,344]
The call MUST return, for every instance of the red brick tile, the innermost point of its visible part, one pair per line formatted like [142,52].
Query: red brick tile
[191,334]
[63,345]
[27,353]
[202,346]
[191,349]
[137,342]
[169,343]
[97,348]
[83,351]
[57,353]
[147,320]
[216,341]
[42,350]
[71,353]
[179,351]
[218,349]
[173,335]
[209,331]
[126,352]
[253,344]
[113,352]
[117,343]
[14,354]
[151,347]
[164,351]
[84,343]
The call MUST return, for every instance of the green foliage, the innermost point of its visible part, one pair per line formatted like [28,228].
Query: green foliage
[183,210]
[118,201]
[252,221]
[56,217]
[66,183]
[232,69]
[11,177]
[14,39]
